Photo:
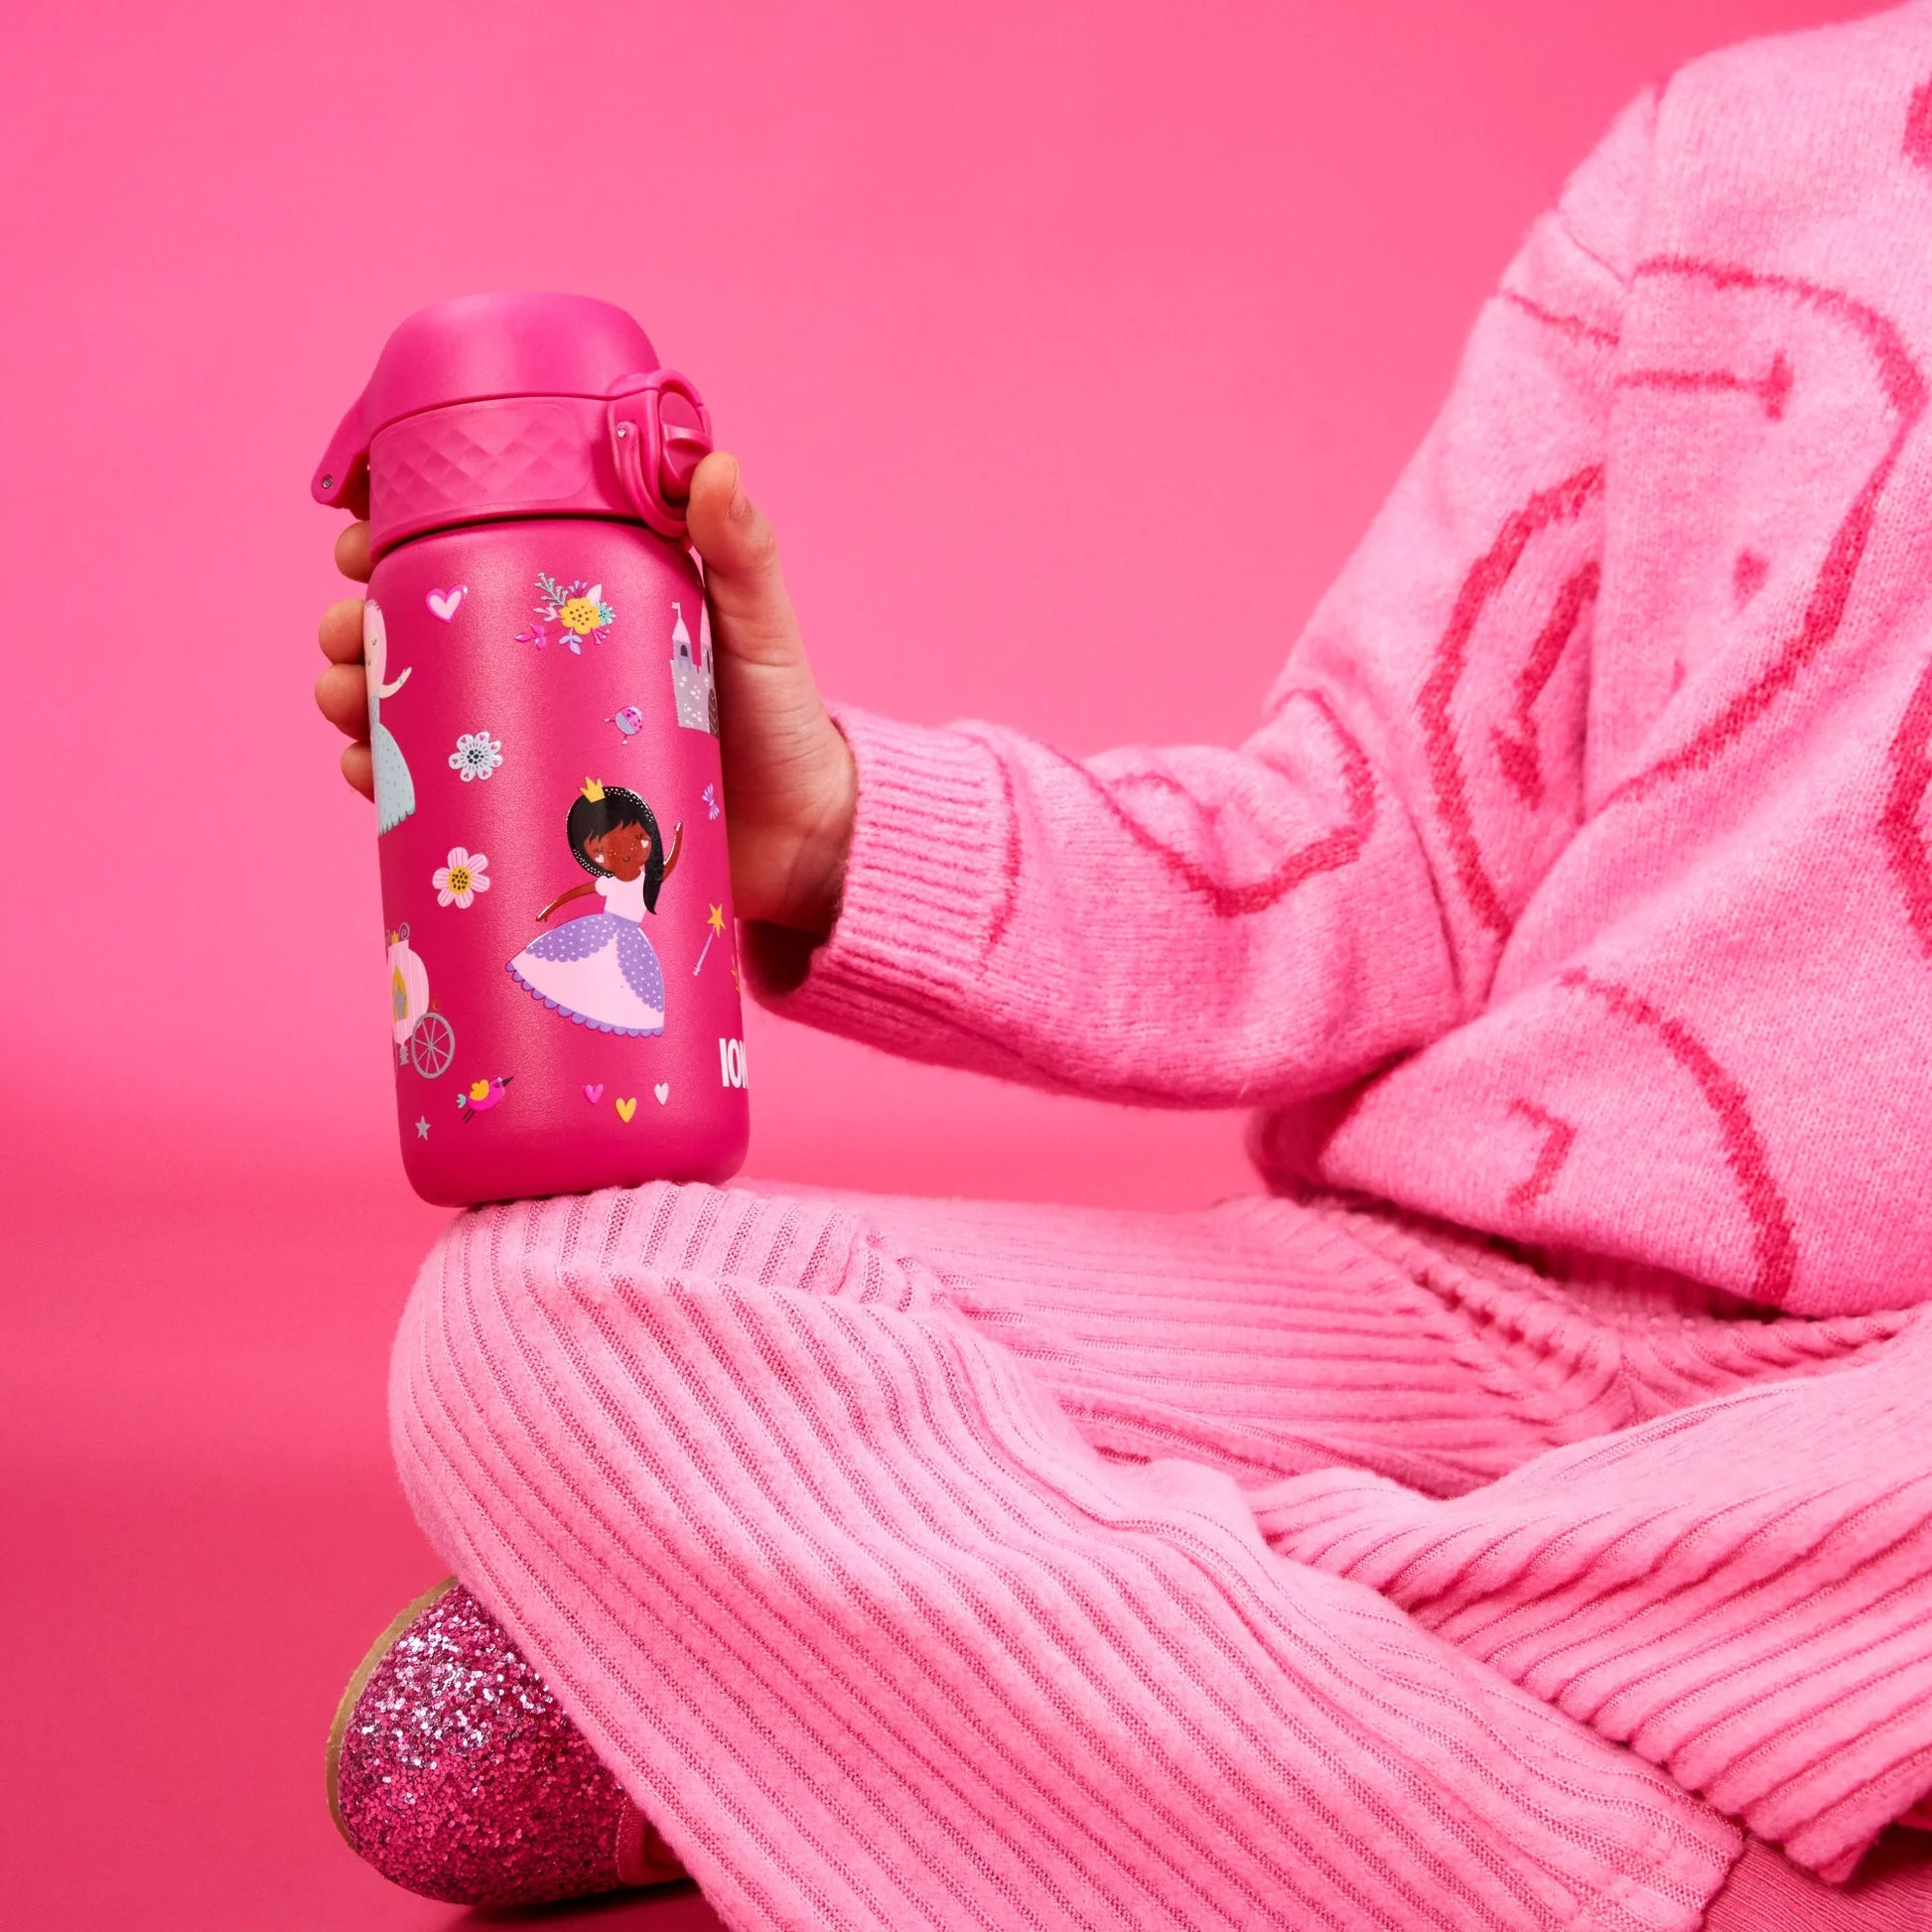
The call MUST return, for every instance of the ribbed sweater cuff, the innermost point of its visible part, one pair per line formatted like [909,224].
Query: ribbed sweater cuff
[926,883]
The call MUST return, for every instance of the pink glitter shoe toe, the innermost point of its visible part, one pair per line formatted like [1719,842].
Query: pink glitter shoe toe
[453,1772]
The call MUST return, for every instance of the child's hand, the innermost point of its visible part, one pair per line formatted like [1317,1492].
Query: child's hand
[342,691]
[789,783]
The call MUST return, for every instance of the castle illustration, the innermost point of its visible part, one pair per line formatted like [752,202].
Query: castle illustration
[697,696]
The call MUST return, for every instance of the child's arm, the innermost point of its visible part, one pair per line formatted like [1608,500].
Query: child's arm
[1206,925]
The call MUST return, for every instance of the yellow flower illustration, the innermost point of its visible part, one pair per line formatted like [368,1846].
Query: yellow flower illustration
[577,608]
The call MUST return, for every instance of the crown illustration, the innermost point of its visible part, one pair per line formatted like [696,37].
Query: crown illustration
[593,792]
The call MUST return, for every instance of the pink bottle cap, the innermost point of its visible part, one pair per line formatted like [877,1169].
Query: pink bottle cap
[489,348]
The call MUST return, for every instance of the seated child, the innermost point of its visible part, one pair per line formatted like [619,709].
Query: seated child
[1526,1503]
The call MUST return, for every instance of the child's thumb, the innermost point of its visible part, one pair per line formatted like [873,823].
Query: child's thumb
[749,607]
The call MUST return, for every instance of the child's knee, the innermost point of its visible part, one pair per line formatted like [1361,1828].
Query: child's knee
[516,1304]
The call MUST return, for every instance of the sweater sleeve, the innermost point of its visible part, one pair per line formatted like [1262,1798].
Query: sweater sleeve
[1214,926]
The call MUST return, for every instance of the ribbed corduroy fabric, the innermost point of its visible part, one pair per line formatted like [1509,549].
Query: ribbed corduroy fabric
[1539,1488]
[950,1565]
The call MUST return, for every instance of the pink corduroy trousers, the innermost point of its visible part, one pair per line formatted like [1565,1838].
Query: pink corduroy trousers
[922,1564]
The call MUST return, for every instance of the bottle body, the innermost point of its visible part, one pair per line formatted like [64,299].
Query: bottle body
[560,962]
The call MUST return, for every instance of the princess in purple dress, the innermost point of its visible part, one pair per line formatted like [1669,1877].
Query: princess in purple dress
[600,971]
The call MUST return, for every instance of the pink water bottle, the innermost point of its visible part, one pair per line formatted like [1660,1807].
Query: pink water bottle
[560,956]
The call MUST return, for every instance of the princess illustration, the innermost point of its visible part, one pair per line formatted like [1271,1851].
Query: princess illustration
[395,790]
[599,970]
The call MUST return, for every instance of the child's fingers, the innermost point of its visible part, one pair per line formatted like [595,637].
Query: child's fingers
[340,632]
[353,552]
[343,697]
[342,690]
[359,767]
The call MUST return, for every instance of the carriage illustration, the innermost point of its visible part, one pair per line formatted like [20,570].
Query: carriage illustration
[424,1038]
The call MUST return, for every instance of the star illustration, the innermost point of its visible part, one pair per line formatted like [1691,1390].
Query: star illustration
[715,919]
[422,1130]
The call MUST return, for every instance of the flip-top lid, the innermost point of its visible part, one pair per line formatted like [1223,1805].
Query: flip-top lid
[476,347]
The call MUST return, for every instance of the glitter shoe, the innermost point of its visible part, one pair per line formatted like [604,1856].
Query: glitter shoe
[453,1772]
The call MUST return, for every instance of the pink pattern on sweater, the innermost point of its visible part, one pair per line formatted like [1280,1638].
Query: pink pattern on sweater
[1496,569]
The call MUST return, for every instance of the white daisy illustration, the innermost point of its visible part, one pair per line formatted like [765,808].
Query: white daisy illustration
[476,756]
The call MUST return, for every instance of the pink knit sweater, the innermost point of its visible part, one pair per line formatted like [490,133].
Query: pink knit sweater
[1576,887]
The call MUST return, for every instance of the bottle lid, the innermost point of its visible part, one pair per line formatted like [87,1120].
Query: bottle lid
[475,347]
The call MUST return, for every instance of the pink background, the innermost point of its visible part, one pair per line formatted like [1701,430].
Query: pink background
[1068,344]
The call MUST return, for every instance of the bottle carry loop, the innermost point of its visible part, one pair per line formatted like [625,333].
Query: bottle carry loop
[659,432]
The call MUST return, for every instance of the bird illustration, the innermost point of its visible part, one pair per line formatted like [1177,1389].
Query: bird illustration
[483,1095]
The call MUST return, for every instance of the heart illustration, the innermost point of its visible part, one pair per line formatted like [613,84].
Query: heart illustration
[626,1108]
[446,603]
[593,1094]
[662,1090]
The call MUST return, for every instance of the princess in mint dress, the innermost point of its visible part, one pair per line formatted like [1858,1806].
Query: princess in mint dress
[600,971]
[395,789]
